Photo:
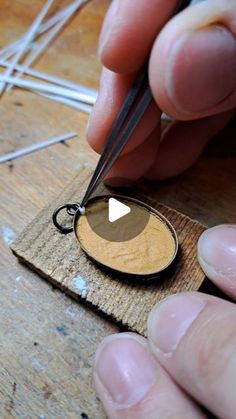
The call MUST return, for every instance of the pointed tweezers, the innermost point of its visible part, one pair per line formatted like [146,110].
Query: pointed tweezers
[127,120]
[125,124]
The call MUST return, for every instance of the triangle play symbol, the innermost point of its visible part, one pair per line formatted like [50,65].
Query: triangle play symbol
[117,210]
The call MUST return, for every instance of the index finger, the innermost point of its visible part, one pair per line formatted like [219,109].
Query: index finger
[129,30]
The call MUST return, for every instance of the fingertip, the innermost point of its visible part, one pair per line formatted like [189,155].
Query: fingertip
[193,65]
[192,335]
[113,338]
[217,256]
[131,383]
[114,56]
[117,34]
[112,47]
[128,32]
[171,319]
[125,369]
[112,92]
[195,80]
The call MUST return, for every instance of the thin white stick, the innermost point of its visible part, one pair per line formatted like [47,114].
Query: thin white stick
[11,50]
[83,107]
[36,147]
[13,47]
[68,102]
[54,31]
[53,79]
[28,38]
[47,88]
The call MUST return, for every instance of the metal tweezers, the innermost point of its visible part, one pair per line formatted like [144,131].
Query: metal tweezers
[125,124]
[136,103]
[127,120]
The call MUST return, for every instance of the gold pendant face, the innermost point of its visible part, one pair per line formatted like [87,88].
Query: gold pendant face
[141,242]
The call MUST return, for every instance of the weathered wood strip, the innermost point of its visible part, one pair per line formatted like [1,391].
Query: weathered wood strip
[59,259]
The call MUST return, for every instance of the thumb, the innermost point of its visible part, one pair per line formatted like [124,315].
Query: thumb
[217,256]
[193,61]
[193,337]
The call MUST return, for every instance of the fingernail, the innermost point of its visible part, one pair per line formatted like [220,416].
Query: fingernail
[107,25]
[201,69]
[217,251]
[126,369]
[170,320]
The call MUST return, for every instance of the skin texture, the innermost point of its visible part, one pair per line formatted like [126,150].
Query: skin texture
[189,357]
[192,67]
[188,364]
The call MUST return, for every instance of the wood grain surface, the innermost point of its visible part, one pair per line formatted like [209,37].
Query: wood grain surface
[47,341]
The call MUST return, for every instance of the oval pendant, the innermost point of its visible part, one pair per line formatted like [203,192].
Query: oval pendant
[126,236]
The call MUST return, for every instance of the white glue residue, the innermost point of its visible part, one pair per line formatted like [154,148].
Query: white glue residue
[80,285]
[82,210]
[7,234]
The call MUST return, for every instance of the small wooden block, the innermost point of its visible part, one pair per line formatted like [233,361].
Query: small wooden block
[60,259]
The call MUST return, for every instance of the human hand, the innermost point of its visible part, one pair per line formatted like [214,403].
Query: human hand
[188,362]
[192,74]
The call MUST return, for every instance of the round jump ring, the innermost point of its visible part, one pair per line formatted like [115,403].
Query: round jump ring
[71,210]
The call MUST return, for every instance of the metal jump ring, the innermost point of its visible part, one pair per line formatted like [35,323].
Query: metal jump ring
[71,210]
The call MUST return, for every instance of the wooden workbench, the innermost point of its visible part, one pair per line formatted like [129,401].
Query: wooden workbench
[47,341]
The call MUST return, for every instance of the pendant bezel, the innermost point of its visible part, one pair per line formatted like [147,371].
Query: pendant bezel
[110,269]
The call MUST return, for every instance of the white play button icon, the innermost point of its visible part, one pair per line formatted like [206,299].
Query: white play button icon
[116,218]
[117,210]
